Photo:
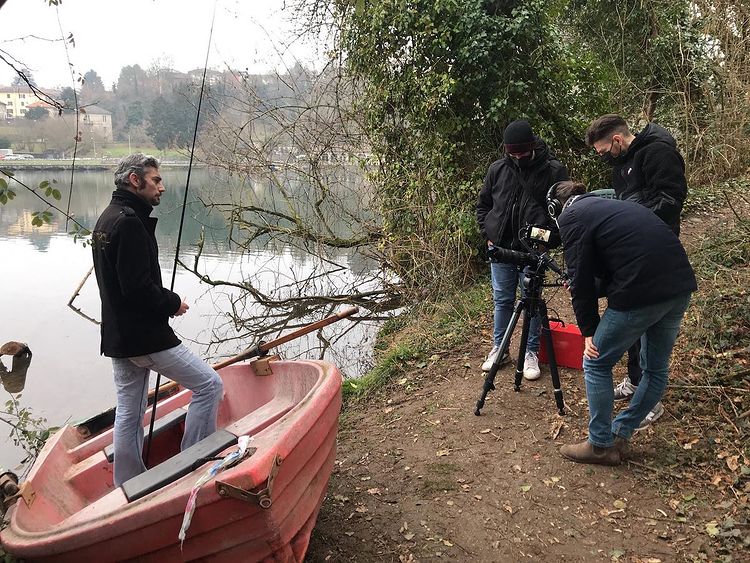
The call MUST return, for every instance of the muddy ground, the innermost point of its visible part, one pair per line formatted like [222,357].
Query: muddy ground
[419,477]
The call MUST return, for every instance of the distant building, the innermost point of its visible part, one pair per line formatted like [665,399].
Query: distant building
[98,120]
[213,77]
[16,100]
[51,110]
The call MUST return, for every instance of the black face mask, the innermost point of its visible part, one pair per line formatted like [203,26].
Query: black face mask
[526,161]
[608,158]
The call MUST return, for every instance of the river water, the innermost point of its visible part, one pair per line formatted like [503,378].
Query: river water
[41,268]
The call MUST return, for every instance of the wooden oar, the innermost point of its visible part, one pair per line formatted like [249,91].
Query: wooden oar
[104,419]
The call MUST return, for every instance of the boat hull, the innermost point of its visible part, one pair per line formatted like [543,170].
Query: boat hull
[300,440]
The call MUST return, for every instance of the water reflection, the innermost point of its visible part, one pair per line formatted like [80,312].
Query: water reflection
[15,380]
[41,267]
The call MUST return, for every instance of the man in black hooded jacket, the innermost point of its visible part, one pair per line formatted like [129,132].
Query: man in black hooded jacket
[512,197]
[648,169]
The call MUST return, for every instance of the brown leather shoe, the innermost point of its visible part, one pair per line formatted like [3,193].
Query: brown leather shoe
[586,452]
[622,446]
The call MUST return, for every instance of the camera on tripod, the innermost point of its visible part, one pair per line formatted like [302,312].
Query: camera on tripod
[535,264]
[537,241]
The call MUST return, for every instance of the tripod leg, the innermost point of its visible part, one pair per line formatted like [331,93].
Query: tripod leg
[522,345]
[489,380]
[555,374]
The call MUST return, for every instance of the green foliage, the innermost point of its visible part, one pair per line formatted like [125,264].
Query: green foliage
[49,189]
[40,218]
[440,80]
[6,193]
[27,431]
[35,114]
[408,341]
[80,233]
[171,122]
[68,97]
[135,114]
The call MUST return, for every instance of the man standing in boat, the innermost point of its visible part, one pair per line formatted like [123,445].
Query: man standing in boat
[136,308]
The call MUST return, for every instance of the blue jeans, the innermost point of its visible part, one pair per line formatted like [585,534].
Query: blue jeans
[131,382]
[505,279]
[657,326]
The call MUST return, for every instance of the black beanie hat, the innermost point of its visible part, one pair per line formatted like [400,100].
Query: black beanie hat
[518,137]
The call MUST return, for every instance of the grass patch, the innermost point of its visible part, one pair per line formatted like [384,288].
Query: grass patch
[709,391]
[443,468]
[424,330]
[713,197]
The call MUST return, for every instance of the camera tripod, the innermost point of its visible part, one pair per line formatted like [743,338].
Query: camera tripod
[529,304]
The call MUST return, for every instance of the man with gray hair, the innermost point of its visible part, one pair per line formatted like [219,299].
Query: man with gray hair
[136,308]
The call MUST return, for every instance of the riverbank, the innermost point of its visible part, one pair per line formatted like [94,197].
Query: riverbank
[418,477]
[84,164]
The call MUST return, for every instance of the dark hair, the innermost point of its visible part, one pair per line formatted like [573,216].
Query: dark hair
[567,189]
[604,126]
[137,163]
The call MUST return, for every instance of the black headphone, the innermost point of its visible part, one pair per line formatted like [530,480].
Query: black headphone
[554,205]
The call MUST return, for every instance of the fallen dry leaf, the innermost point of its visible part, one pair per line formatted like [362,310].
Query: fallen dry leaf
[733,462]
[441,453]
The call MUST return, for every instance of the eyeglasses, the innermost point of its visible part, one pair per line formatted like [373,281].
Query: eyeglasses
[608,151]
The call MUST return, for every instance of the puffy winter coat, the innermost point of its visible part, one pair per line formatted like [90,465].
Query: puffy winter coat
[624,247]
[513,197]
[652,173]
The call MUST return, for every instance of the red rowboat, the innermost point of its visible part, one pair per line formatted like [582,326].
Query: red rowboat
[262,509]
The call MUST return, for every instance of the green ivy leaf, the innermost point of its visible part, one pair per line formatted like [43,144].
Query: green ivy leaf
[44,184]
[3,183]
[56,194]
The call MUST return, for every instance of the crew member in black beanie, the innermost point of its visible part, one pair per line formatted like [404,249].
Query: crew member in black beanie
[513,196]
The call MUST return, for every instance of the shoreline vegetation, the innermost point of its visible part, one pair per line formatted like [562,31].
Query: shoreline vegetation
[85,164]
[694,463]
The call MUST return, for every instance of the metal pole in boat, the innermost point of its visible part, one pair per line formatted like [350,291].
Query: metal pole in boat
[182,220]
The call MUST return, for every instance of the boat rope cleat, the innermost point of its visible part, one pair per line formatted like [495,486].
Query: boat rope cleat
[262,366]
[261,497]
[10,491]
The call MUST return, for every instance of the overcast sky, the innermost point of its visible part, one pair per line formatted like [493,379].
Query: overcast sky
[109,34]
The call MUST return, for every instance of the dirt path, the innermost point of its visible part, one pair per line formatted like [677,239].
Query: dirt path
[419,477]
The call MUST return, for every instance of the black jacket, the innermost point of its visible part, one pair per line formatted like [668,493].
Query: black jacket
[135,306]
[638,259]
[652,173]
[513,197]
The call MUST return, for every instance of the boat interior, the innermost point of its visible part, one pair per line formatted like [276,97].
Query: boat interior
[77,472]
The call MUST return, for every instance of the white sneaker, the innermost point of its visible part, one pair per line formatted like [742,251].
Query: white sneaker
[487,365]
[651,417]
[531,366]
[624,390]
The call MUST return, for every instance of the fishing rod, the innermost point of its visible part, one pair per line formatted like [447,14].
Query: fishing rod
[182,217]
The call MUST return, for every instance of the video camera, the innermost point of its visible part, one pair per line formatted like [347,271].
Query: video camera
[537,240]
